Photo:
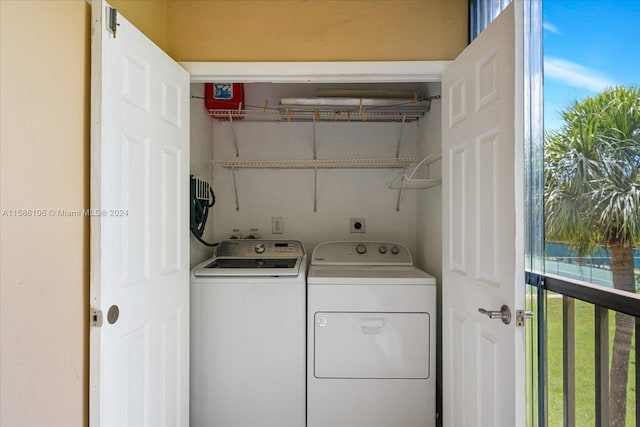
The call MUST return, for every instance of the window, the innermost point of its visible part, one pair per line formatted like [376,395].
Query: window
[581,368]
[481,13]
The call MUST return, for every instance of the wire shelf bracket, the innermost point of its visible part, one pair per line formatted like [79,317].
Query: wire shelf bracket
[409,182]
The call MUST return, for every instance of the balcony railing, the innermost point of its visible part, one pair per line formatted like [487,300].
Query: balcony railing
[603,299]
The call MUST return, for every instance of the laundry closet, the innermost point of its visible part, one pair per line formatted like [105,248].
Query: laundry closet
[314,163]
[314,168]
[286,164]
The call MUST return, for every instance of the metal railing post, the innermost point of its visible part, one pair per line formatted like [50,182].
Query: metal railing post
[569,361]
[542,356]
[601,322]
[637,369]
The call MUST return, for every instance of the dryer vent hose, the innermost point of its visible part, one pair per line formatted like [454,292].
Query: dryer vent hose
[202,198]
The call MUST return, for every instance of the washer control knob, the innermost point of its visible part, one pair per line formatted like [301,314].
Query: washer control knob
[382,249]
[395,250]
[361,248]
[260,248]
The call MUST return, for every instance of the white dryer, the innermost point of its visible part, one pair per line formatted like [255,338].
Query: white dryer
[248,335]
[370,337]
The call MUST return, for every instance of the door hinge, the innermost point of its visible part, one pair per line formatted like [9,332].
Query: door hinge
[96,317]
[522,316]
[112,20]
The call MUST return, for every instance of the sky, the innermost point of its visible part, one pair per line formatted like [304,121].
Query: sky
[589,45]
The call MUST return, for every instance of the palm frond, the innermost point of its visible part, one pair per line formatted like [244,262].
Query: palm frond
[592,171]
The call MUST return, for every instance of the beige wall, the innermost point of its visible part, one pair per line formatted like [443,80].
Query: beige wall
[44,142]
[318,30]
[44,149]
[149,16]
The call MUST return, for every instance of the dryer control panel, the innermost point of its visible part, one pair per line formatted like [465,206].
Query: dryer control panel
[361,253]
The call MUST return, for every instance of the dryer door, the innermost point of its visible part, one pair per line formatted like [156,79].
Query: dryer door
[371,345]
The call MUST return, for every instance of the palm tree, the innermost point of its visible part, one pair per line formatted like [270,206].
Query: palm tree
[592,197]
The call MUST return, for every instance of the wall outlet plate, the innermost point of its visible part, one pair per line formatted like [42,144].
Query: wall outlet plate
[357,225]
[277,225]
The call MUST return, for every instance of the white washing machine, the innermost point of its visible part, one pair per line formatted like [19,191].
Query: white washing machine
[370,337]
[248,335]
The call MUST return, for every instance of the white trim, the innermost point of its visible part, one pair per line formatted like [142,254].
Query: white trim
[316,72]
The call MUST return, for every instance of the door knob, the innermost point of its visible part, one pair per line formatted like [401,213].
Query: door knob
[113,314]
[504,314]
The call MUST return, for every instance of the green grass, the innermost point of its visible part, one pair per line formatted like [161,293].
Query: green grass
[584,354]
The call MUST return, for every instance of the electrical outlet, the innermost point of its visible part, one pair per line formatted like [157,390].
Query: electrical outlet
[277,225]
[357,225]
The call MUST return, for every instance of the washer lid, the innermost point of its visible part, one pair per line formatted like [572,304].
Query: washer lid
[253,257]
[250,267]
[361,253]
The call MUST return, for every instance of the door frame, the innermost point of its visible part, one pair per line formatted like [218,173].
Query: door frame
[326,72]
[316,72]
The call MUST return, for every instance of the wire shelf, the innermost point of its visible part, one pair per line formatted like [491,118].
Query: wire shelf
[346,163]
[404,113]
[328,110]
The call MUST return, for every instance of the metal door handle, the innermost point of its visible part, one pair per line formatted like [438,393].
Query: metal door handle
[504,313]
[113,314]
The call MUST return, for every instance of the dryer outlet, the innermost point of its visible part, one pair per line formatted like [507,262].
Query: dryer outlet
[357,225]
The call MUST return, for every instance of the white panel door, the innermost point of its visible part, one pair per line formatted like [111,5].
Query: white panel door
[483,250]
[139,363]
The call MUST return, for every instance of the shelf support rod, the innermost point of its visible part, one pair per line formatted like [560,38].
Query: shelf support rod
[404,170]
[315,153]
[233,134]
[315,190]
[235,188]
[404,116]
